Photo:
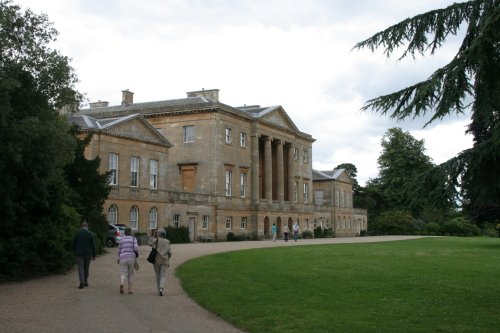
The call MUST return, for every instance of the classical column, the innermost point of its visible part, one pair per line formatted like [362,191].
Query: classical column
[291,173]
[268,166]
[280,172]
[255,167]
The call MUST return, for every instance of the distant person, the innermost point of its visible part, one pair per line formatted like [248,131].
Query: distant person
[296,231]
[274,231]
[286,231]
[162,246]
[128,251]
[84,248]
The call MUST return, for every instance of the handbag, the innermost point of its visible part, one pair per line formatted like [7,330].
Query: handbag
[136,265]
[152,255]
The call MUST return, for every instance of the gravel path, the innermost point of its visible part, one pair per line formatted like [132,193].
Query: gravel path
[55,304]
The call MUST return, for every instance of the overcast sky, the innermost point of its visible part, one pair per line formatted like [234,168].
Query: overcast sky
[297,54]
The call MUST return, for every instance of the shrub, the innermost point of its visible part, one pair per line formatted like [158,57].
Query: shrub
[230,237]
[460,227]
[393,222]
[363,233]
[328,233]
[178,235]
[433,229]
[318,232]
[307,234]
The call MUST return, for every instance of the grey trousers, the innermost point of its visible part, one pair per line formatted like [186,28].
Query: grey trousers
[83,264]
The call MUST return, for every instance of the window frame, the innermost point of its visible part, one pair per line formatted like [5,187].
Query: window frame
[243,139]
[229,135]
[134,217]
[228,222]
[135,163]
[113,161]
[112,212]
[306,192]
[188,133]
[153,218]
[243,222]
[153,174]
[176,220]
[228,175]
[205,222]
[243,184]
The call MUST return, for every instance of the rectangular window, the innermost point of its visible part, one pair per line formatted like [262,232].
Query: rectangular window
[229,182]
[229,222]
[296,153]
[229,135]
[134,171]
[113,169]
[153,174]
[243,139]
[176,220]
[188,133]
[305,156]
[295,191]
[306,192]
[318,198]
[243,184]
[205,221]
[243,223]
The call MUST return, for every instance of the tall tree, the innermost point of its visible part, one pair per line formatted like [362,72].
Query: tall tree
[39,156]
[472,73]
[402,159]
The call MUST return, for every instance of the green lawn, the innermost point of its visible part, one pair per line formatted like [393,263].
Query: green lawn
[425,285]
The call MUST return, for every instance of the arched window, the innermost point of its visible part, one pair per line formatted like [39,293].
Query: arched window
[113,214]
[153,218]
[134,217]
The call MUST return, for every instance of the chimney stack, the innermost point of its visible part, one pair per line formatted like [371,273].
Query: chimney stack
[98,104]
[210,94]
[127,97]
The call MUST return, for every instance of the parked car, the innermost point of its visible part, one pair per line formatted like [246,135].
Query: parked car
[115,233]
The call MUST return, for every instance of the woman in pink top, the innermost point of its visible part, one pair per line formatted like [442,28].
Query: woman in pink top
[128,251]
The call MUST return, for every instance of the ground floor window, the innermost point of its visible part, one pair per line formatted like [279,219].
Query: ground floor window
[153,218]
[134,217]
[113,214]
[229,221]
[205,221]
[243,223]
[176,220]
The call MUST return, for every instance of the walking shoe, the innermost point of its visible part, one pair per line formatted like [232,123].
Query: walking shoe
[80,286]
[121,289]
[161,292]
[85,284]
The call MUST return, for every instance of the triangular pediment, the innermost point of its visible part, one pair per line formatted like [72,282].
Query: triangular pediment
[277,115]
[136,128]
[344,177]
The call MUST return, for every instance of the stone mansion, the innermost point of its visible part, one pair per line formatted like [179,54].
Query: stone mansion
[214,168]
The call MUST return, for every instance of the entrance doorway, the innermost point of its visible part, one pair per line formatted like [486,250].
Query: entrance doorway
[192,227]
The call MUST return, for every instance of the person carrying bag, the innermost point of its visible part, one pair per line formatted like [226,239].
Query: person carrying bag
[159,257]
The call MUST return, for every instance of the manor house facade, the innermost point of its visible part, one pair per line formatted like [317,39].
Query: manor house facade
[214,168]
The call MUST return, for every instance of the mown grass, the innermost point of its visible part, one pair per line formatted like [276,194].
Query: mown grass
[425,285]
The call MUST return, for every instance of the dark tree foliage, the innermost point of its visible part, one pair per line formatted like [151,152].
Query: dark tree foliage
[90,188]
[37,218]
[46,187]
[471,75]
[402,159]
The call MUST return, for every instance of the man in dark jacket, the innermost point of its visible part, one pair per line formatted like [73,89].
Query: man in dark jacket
[84,247]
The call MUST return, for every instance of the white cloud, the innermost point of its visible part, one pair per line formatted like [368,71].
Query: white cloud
[294,53]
